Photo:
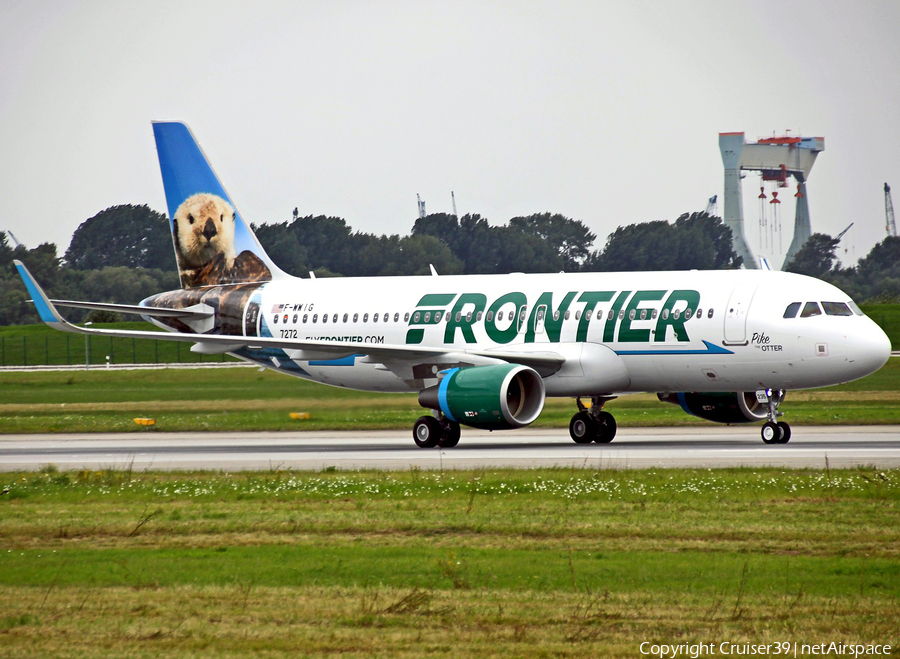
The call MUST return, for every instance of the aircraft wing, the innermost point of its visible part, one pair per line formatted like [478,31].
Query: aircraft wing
[189,312]
[544,362]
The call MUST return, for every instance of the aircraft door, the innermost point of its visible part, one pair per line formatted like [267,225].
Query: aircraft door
[736,314]
[251,317]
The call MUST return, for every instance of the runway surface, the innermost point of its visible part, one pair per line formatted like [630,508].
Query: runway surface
[811,446]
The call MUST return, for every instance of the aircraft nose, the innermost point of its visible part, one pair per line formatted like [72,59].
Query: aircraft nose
[871,347]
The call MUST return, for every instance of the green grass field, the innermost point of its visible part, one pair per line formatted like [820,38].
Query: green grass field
[247,399]
[542,563]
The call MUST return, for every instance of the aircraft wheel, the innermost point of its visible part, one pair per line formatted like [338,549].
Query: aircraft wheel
[785,432]
[606,428]
[450,438]
[771,433]
[582,428]
[427,432]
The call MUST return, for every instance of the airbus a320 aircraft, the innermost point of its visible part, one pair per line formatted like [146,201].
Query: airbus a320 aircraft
[486,350]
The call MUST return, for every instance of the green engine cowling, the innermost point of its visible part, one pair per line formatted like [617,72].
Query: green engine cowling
[721,407]
[490,397]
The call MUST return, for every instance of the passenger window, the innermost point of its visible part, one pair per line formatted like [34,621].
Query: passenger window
[577,315]
[345,318]
[275,322]
[699,313]
[469,317]
[365,318]
[315,317]
[295,318]
[355,317]
[631,315]
[622,314]
[406,317]
[427,318]
[305,317]
[665,314]
[836,309]
[324,317]
[567,314]
[811,309]
[687,313]
[478,316]
[458,316]
[556,315]
[437,316]
[334,319]
[612,314]
[653,315]
[397,317]
[792,309]
[643,314]
[490,316]
[709,313]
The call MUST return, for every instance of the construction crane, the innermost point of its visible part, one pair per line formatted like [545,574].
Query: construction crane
[889,212]
[841,234]
[421,206]
[712,206]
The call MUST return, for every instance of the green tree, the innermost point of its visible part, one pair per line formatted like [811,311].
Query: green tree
[126,235]
[816,258]
[878,273]
[282,245]
[637,247]
[704,243]
[695,241]
[571,239]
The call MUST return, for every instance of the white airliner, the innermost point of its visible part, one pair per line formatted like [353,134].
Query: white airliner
[486,350]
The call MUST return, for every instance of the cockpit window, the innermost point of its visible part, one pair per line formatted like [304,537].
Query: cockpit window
[856,309]
[792,309]
[811,309]
[836,309]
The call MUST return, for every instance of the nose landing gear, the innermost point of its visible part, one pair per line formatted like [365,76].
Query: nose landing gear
[775,432]
[593,425]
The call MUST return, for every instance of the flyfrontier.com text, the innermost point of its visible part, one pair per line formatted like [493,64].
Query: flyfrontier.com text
[784,649]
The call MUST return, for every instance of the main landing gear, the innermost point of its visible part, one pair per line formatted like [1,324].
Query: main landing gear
[775,432]
[429,432]
[593,425]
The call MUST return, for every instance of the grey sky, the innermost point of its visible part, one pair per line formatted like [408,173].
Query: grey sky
[607,112]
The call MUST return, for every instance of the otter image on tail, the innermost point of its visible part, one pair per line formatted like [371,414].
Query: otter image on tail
[203,228]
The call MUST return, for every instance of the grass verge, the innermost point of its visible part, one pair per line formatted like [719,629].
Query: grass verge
[573,562]
[246,399]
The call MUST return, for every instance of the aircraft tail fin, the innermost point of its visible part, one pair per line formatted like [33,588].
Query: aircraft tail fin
[213,244]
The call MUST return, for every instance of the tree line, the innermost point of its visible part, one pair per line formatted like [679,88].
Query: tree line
[125,253]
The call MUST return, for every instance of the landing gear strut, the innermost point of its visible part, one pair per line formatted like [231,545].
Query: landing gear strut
[773,431]
[429,432]
[593,425]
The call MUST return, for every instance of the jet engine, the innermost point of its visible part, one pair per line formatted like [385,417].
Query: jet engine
[721,407]
[491,397]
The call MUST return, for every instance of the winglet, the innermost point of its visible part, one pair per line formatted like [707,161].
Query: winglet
[45,308]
